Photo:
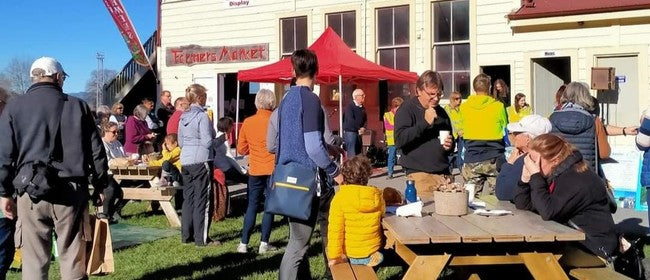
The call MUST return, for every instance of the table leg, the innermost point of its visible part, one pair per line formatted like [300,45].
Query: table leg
[426,267]
[171,214]
[543,266]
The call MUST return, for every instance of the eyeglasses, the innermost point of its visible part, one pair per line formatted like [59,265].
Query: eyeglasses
[112,131]
[119,108]
[437,93]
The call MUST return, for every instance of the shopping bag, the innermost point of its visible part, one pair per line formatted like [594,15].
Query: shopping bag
[100,258]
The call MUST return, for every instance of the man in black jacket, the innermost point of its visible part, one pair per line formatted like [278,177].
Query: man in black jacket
[354,122]
[29,126]
[418,126]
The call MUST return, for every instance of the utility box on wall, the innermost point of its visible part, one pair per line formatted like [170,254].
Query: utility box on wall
[603,78]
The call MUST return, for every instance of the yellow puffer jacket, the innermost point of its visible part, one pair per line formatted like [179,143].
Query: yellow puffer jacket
[355,222]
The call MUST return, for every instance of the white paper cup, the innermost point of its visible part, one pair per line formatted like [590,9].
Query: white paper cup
[443,135]
[471,190]
[135,156]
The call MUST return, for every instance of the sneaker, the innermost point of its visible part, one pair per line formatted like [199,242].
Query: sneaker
[373,260]
[242,248]
[266,247]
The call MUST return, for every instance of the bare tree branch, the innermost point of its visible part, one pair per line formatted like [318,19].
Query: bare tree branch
[93,81]
[18,74]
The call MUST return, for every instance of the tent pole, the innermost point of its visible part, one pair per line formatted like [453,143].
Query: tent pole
[341,110]
[236,118]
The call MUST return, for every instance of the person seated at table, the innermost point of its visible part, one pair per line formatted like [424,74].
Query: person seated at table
[170,162]
[354,231]
[524,131]
[136,130]
[116,156]
[223,158]
[557,183]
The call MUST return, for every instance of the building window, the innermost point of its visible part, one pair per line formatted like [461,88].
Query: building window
[393,37]
[293,35]
[451,52]
[344,24]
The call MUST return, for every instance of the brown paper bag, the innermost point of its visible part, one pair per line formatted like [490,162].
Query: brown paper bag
[100,258]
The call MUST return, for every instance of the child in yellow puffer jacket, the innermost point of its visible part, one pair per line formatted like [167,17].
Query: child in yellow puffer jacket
[354,230]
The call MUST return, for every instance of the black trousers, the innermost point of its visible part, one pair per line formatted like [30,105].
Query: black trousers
[197,190]
[112,197]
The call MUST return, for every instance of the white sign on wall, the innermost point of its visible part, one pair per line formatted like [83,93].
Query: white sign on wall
[238,3]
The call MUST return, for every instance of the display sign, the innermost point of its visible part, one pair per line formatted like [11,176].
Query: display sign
[623,171]
[238,3]
[195,54]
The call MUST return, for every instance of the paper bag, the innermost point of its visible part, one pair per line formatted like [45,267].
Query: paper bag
[100,258]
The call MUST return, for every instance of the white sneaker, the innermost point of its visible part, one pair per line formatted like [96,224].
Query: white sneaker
[266,247]
[242,248]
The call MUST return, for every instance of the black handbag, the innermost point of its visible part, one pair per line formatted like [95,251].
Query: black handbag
[38,178]
[293,187]
[629,262]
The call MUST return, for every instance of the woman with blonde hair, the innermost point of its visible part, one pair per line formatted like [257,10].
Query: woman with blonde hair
[519,109]
[195,134]
[559,185]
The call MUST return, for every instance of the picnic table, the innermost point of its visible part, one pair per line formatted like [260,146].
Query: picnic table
[143,174]
[432,242]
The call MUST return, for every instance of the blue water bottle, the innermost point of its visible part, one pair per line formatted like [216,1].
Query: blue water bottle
[410,194]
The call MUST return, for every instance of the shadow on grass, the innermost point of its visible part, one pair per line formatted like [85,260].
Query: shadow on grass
[232,266]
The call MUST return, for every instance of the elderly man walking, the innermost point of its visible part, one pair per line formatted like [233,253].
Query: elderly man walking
[56,147]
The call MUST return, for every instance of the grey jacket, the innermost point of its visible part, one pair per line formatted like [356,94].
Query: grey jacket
[195,134]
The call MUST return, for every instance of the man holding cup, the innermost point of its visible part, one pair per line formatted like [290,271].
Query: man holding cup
[422,132]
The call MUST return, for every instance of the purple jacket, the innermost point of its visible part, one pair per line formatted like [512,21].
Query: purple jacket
[136,133]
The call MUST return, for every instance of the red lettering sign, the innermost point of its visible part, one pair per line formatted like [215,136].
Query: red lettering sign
[194,54]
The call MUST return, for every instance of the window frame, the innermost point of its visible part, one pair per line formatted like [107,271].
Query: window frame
[355,25]
[393,47]
[451,43]
[293,18]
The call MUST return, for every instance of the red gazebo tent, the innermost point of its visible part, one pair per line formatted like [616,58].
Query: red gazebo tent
[336,63]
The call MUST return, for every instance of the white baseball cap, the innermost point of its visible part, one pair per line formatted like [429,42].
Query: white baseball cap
[50,65]
[535,125]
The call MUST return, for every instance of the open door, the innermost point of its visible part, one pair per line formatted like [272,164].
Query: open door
[548,75]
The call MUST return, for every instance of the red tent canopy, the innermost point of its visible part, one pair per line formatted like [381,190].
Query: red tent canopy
[334,58]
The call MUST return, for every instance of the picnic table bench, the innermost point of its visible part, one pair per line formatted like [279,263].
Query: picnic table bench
[347,271]
[473,240]
[145,175]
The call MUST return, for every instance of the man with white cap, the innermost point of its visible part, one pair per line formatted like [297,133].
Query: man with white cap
[55,148]
[524,132]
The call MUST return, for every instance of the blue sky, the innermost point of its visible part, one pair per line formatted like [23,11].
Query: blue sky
[72,31]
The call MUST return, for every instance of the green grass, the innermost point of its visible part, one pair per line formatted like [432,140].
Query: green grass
[169,259]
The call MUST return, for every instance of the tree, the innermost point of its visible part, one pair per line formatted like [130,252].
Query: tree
[17,72]
[5,82]
[94,80]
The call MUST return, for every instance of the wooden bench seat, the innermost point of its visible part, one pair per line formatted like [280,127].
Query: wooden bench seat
[600,273]
[347,271]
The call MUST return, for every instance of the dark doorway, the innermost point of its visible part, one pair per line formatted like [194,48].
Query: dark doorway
[246,98]
[499,72]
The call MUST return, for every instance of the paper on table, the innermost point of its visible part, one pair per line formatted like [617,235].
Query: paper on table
[411,209]
[494,212]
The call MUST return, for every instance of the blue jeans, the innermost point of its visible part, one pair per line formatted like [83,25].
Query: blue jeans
[7,248]
[352,143]
[257,186]
[391,159]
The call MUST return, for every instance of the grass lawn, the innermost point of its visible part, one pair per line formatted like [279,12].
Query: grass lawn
[169,259]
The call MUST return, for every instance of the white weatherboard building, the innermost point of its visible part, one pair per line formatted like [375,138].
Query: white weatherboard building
[535,46]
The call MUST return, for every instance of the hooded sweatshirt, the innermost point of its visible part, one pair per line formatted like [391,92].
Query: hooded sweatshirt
[355,222]
[579,197]
[484,122]
[195,134]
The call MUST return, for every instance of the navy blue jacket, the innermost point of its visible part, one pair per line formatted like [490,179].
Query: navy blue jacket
[508,179]
[354,118]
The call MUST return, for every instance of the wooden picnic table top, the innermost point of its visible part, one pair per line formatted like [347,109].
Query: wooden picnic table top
[521,226]
[135,172]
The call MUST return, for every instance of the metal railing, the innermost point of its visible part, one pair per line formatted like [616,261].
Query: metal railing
[114,87]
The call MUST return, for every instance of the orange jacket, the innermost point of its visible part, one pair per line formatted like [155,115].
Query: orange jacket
[252,140]
[354,226]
